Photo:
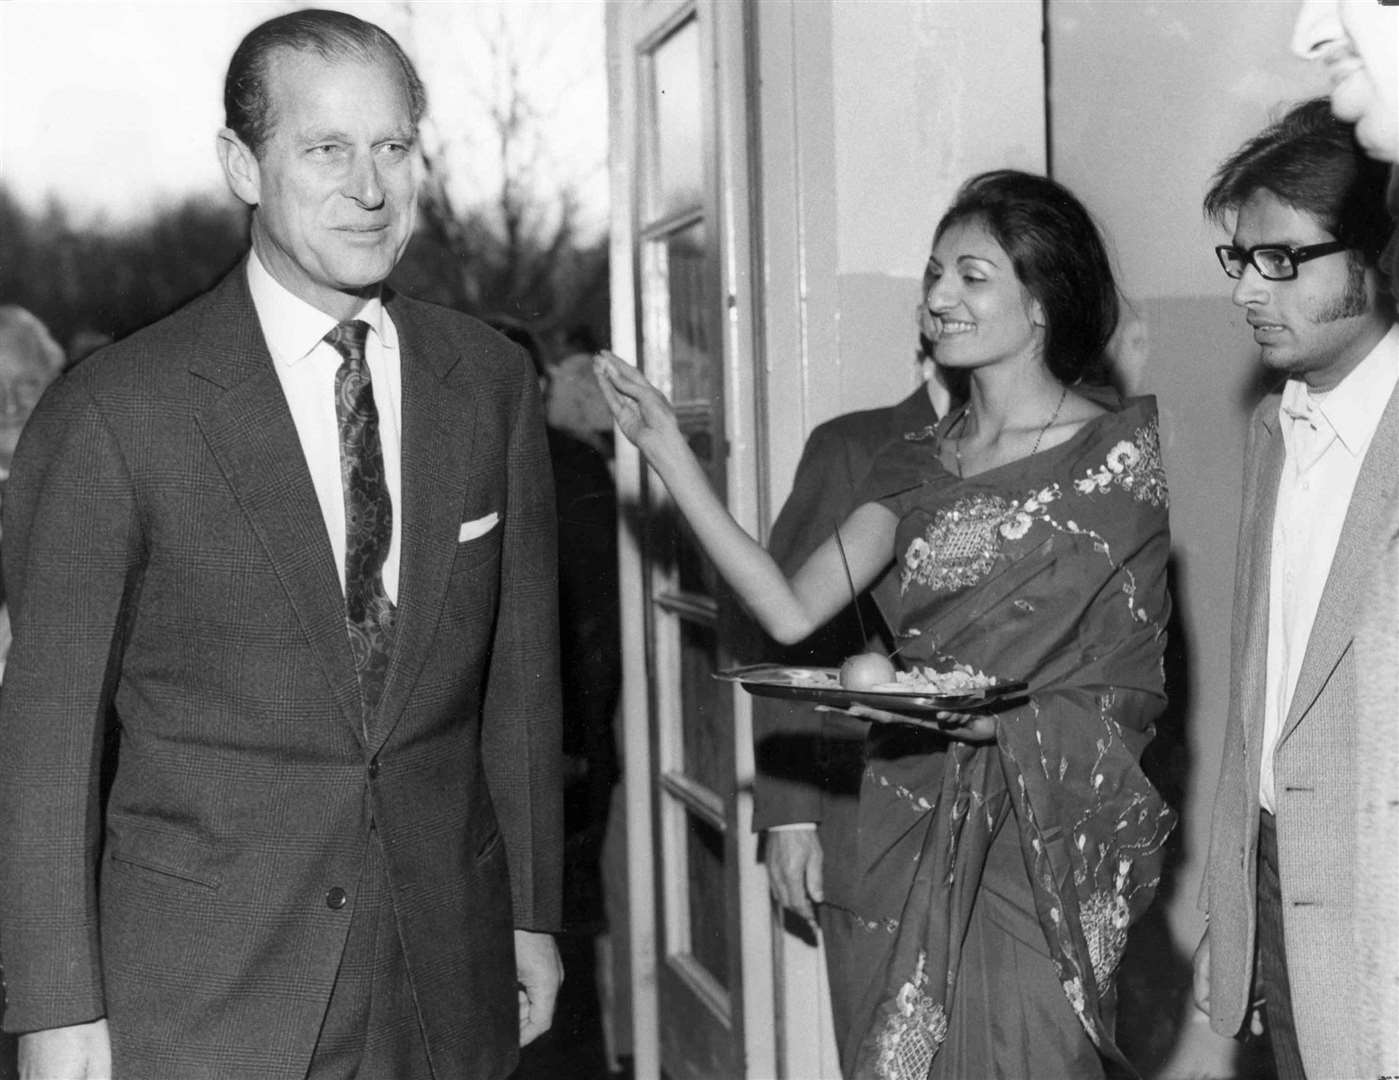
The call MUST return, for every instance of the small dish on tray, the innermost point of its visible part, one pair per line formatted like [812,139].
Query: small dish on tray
[821,686]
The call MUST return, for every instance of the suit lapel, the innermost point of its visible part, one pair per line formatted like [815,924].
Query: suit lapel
[439,434]
[250,432]
[1251,607]
[1348,583]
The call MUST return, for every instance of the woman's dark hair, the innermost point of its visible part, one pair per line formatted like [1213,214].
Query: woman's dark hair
[1059,257]
[332,35]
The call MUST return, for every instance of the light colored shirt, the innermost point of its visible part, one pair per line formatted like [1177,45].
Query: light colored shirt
[306,366]
[1325,438]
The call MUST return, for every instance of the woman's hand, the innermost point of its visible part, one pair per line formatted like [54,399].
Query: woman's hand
[967,727]
[641,411]
[964,727]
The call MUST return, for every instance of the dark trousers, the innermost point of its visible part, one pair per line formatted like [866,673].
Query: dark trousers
[371,1029]
[1270,975]
[838,939]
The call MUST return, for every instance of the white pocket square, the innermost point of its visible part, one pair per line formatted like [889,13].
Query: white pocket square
[470,530]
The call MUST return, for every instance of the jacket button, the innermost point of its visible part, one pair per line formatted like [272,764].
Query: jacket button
[373,768]
[335,899]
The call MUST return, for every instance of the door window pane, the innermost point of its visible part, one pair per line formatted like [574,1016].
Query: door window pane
[676,183]
[692,363]
[703,727]
[709,933]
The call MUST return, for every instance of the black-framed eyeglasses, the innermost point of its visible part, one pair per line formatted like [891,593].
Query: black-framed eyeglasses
[1275,262]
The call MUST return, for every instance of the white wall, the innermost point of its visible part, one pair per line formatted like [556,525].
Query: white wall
[872,112]
[927,94]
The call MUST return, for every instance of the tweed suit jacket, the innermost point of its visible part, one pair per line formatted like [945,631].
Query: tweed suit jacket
[1314,763]
[809,762]
[168,568]
[1376,1000]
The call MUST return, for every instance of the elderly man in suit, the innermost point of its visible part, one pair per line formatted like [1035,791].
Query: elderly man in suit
[1358,42]
[288,555]
[1320,466]
[809,763]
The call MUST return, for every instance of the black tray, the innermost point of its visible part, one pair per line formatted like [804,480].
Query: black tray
[818,686]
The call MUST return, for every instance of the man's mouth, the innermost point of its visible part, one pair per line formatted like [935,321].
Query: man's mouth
[1343,66]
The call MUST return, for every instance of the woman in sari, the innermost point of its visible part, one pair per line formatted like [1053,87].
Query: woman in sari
[1006,855]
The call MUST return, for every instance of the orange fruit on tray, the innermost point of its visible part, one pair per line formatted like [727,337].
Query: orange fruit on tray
[866,670]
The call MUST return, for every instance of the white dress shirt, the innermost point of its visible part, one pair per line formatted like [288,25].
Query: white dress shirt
[306,366]
[1325,437]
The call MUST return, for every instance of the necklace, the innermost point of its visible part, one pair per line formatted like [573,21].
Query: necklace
[966,413]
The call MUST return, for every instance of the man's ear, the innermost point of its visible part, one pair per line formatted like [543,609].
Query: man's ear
[240,167]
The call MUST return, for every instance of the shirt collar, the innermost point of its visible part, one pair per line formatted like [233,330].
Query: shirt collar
[1354,408]
[293,328]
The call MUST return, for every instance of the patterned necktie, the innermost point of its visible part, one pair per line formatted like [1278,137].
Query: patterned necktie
[369,614]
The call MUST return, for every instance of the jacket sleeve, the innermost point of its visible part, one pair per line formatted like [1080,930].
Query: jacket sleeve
[520,723]
[72,559]
[787,735]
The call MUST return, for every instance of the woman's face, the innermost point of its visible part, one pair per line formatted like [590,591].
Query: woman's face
[980,313]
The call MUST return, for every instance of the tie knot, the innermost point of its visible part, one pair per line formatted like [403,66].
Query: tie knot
[348,338]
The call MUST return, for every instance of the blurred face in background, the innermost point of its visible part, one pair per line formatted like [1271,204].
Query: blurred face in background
[1358,42]
[29,360]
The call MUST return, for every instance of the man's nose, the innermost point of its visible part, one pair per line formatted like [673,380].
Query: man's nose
[363,183]
[1318,24]
[1250,288]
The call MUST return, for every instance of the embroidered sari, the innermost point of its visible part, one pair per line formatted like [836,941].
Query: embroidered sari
[1050,569]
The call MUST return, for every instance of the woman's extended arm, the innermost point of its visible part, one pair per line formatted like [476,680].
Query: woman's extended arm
[788,610]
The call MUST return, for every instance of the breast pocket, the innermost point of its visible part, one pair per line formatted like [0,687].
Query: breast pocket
[478,554]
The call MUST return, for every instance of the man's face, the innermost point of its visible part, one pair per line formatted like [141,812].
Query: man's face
[1323,322]
[335,187]
[1358,40]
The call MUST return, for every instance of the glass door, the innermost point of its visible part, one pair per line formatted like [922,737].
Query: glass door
[692,721]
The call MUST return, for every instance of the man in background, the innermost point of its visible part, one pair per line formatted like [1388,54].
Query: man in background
[297,542]
[810,763]
[1319,468]
[30,360]
[1358,42]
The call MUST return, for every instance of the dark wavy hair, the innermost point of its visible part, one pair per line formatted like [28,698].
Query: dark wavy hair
[1310,161]
[332,35]
[1059,257]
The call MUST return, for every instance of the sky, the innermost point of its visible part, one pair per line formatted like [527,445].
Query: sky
[111,106]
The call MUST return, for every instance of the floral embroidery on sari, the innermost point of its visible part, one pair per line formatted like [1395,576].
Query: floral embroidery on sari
[960,545]
[911,1036]
[1133,465]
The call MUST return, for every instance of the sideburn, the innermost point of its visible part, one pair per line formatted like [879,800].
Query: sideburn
[1352,302]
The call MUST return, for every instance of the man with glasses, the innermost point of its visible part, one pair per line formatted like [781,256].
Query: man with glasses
[1309,225]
